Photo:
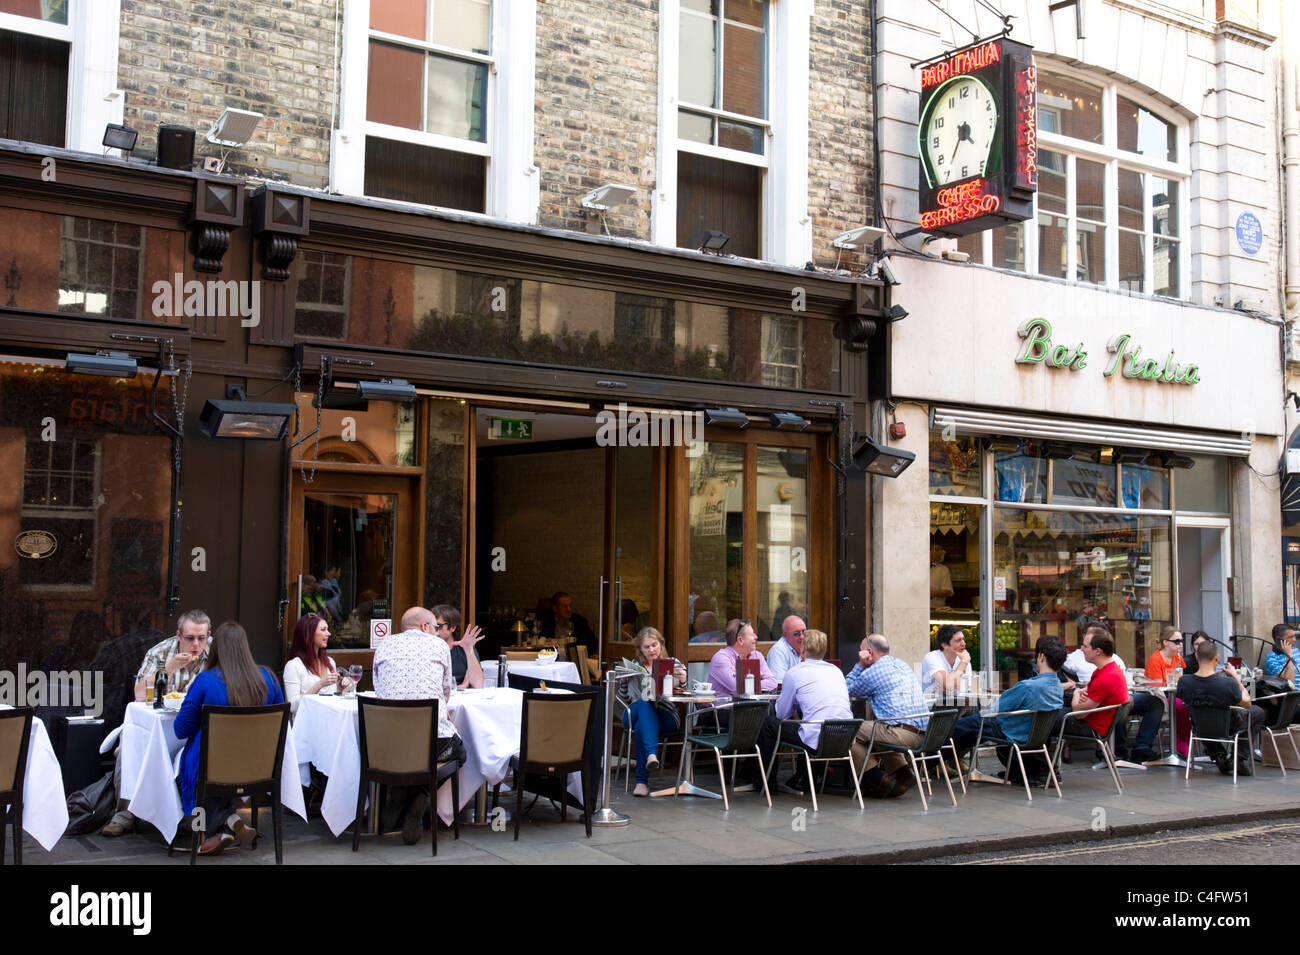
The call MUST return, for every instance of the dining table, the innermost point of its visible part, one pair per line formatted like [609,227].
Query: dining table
[151,758]
[559,671]
[1166,692]
[488,721]
[45,808]
[697,705]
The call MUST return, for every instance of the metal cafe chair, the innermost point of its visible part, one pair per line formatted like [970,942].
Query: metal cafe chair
[399,747]
[938,736]
[1282,725]
[833,745]
[1213,724]
[15,733]
[240,754]
[1105,743]
[740,741]
[1040,734]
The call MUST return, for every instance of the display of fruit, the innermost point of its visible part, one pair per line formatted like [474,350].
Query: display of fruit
[1008,635]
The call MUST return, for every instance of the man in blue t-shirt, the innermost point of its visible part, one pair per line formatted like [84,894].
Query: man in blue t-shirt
[1284,659]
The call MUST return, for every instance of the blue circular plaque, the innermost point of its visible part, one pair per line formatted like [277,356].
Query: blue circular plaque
[1250,234]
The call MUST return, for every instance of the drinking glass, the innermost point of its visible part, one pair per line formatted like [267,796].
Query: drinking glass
[355,672]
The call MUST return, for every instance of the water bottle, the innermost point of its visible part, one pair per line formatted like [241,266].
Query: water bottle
[749,684]
[503,670]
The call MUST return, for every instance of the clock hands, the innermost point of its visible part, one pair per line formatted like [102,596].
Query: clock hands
[963,133]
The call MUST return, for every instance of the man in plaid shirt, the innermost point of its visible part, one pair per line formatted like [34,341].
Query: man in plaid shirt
[180,659]
[895,706]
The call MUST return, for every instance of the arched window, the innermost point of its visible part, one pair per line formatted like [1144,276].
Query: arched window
[1112,192]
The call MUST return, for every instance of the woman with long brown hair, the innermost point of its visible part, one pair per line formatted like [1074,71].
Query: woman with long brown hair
[310,669]
[231,678]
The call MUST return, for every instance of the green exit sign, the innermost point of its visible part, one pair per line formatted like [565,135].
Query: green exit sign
[509,429]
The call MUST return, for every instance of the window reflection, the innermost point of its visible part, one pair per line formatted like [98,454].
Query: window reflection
[353,431]
[84,508]
[782,538]
[956,466]
[1067,570]
[1020,471]
[716,539]
[444,311]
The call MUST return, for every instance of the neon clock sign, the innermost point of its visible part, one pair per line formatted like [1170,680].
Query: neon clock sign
[977,138]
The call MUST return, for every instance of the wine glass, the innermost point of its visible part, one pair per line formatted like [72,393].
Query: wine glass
[355,672]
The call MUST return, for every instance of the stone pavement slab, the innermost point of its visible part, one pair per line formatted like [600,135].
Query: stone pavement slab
[695,831]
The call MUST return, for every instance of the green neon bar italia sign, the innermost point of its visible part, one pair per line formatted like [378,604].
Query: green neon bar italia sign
[1125,357]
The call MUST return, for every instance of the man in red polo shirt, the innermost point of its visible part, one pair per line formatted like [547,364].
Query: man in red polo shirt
[1108,685]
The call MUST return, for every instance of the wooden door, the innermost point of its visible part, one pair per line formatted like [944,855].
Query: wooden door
[356,535]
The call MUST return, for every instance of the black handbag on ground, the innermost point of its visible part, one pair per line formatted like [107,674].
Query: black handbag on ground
[90,807]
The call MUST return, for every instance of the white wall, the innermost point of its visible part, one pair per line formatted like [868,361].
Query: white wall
[959,343]
[1221,79]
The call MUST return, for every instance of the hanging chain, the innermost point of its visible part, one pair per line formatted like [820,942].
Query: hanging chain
[320,404]
[179,400]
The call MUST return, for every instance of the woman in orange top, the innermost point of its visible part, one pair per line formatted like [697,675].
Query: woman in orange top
[1160,667]
[1167,658]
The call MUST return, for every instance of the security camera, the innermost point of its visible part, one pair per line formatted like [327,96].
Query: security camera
[885,272]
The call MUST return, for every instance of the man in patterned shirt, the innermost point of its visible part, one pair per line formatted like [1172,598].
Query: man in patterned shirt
[181,658]
[416,665]
[894,700]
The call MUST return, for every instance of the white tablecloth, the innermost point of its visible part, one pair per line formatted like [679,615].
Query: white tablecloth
[151,762]
[561,671]
[487,720]
[45,808]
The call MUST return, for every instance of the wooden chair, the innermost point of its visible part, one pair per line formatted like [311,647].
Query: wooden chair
[399,747]
[553,741]
[580,659]
[15,733]
[240,754]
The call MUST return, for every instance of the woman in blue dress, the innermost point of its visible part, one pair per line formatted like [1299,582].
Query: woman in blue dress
[231,678]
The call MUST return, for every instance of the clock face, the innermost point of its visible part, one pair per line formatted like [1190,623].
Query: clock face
[958,137]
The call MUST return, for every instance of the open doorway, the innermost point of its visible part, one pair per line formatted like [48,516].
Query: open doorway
[540,524]
[1202,579]
[555,511]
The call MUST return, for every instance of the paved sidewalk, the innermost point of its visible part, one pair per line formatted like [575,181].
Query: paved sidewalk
[693,831]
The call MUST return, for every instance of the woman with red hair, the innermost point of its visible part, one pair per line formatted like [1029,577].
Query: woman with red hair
[310,669]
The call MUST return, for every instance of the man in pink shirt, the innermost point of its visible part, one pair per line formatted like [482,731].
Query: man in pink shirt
[742,644]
